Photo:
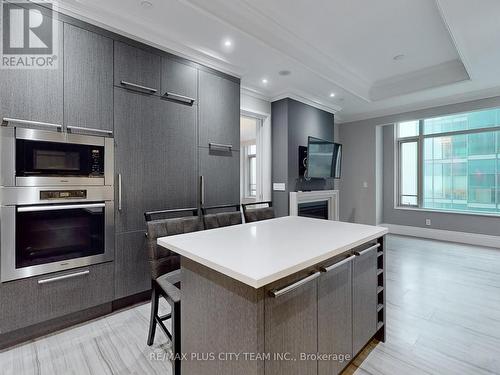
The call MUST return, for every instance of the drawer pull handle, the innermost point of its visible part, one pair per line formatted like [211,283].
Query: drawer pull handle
[220,145]
[361,253]
[63,277]
[338,264]
[60,207]
[108,132]
[140,87]
[279,292]
[179,98]
[6,120]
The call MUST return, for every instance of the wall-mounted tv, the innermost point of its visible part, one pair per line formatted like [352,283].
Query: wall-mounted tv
[324,158]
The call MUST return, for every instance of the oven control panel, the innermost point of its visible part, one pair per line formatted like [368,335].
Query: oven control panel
[62,194]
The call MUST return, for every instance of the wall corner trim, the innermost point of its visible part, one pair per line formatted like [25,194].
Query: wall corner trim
[445,235]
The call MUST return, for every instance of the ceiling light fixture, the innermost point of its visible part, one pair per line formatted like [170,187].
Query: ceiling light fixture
[332,95]
[228,43]
[399,57]
[284,72]
[146,4]
[264,81]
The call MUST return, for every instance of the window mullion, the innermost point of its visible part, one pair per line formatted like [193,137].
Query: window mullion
[420,167]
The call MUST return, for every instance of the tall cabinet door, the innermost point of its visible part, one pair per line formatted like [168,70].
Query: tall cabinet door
[34,94]
[219,111]
[291,326]
[88,79]
[171,157]
[364,289]
[220,173]
[335,315]
[134,115]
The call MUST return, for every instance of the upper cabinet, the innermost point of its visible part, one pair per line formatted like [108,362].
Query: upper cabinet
[88,79]
[219,107]
[34,94]
[179,81]
[136,69]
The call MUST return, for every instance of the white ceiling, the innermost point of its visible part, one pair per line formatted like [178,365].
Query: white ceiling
[450,47]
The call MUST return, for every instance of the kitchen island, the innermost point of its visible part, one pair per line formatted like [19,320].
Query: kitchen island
[292,295]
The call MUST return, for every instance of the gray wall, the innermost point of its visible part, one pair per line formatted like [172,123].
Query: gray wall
[292,123]
[358,204]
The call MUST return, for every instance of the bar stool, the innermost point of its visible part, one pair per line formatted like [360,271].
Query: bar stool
[258,214]
[165,273]
[221,216]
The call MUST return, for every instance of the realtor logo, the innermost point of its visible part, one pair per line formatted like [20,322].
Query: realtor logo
[29,35]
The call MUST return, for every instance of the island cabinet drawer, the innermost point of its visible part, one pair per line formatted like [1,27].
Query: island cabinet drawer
[335,314]
[29,301]
[291,309]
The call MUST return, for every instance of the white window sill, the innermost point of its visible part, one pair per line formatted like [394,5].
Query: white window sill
[471,213]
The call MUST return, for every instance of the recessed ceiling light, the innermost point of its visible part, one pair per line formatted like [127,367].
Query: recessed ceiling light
[228,43]
[399,57]
[284,72]
[146,4]
[264,80]
[332,94]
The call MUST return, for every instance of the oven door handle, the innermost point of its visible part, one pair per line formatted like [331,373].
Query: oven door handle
[56,208]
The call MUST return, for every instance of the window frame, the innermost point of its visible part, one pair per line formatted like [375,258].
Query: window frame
[420,139]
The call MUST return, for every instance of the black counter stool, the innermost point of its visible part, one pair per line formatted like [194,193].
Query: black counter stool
[165,272]
[221,216]
[259,213]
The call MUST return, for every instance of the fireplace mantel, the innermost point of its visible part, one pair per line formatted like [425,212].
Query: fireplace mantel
[330,196]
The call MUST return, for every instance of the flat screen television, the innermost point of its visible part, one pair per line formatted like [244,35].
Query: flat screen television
[323,158]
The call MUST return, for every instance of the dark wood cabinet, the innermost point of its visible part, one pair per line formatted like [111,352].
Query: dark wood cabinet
[88,79]
[34,94]
[179,81]
[29,301]
[364,294]
[291,326]
[335,316]
[132,268]
[134,114]
[171,170]
[136,69]
[220,171]
[219,106]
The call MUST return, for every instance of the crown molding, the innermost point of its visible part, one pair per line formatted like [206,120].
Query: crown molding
[306,99]
[245,90]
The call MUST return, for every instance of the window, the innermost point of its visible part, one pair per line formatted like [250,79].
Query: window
[450,163]
[252,170]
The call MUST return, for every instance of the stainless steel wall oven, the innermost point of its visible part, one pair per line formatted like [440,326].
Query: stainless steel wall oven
[57,208]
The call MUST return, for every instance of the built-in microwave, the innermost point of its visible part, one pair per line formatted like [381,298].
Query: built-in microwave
[31,157]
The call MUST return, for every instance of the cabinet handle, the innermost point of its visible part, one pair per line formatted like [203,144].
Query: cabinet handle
[108,132]
[63,277]
[179,98]
[338,264]
[361,253]
[202,190]
[119,191]
[279,292]
[220,145]
[6,120]
[140,87]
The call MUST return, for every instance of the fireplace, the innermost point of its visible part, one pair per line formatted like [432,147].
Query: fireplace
[319,204]
[317,210]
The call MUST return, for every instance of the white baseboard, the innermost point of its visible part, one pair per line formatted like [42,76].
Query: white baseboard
[445,235]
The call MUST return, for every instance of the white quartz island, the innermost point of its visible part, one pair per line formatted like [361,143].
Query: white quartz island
[258,297]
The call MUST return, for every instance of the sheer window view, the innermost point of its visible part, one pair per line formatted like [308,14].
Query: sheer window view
[457,160]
